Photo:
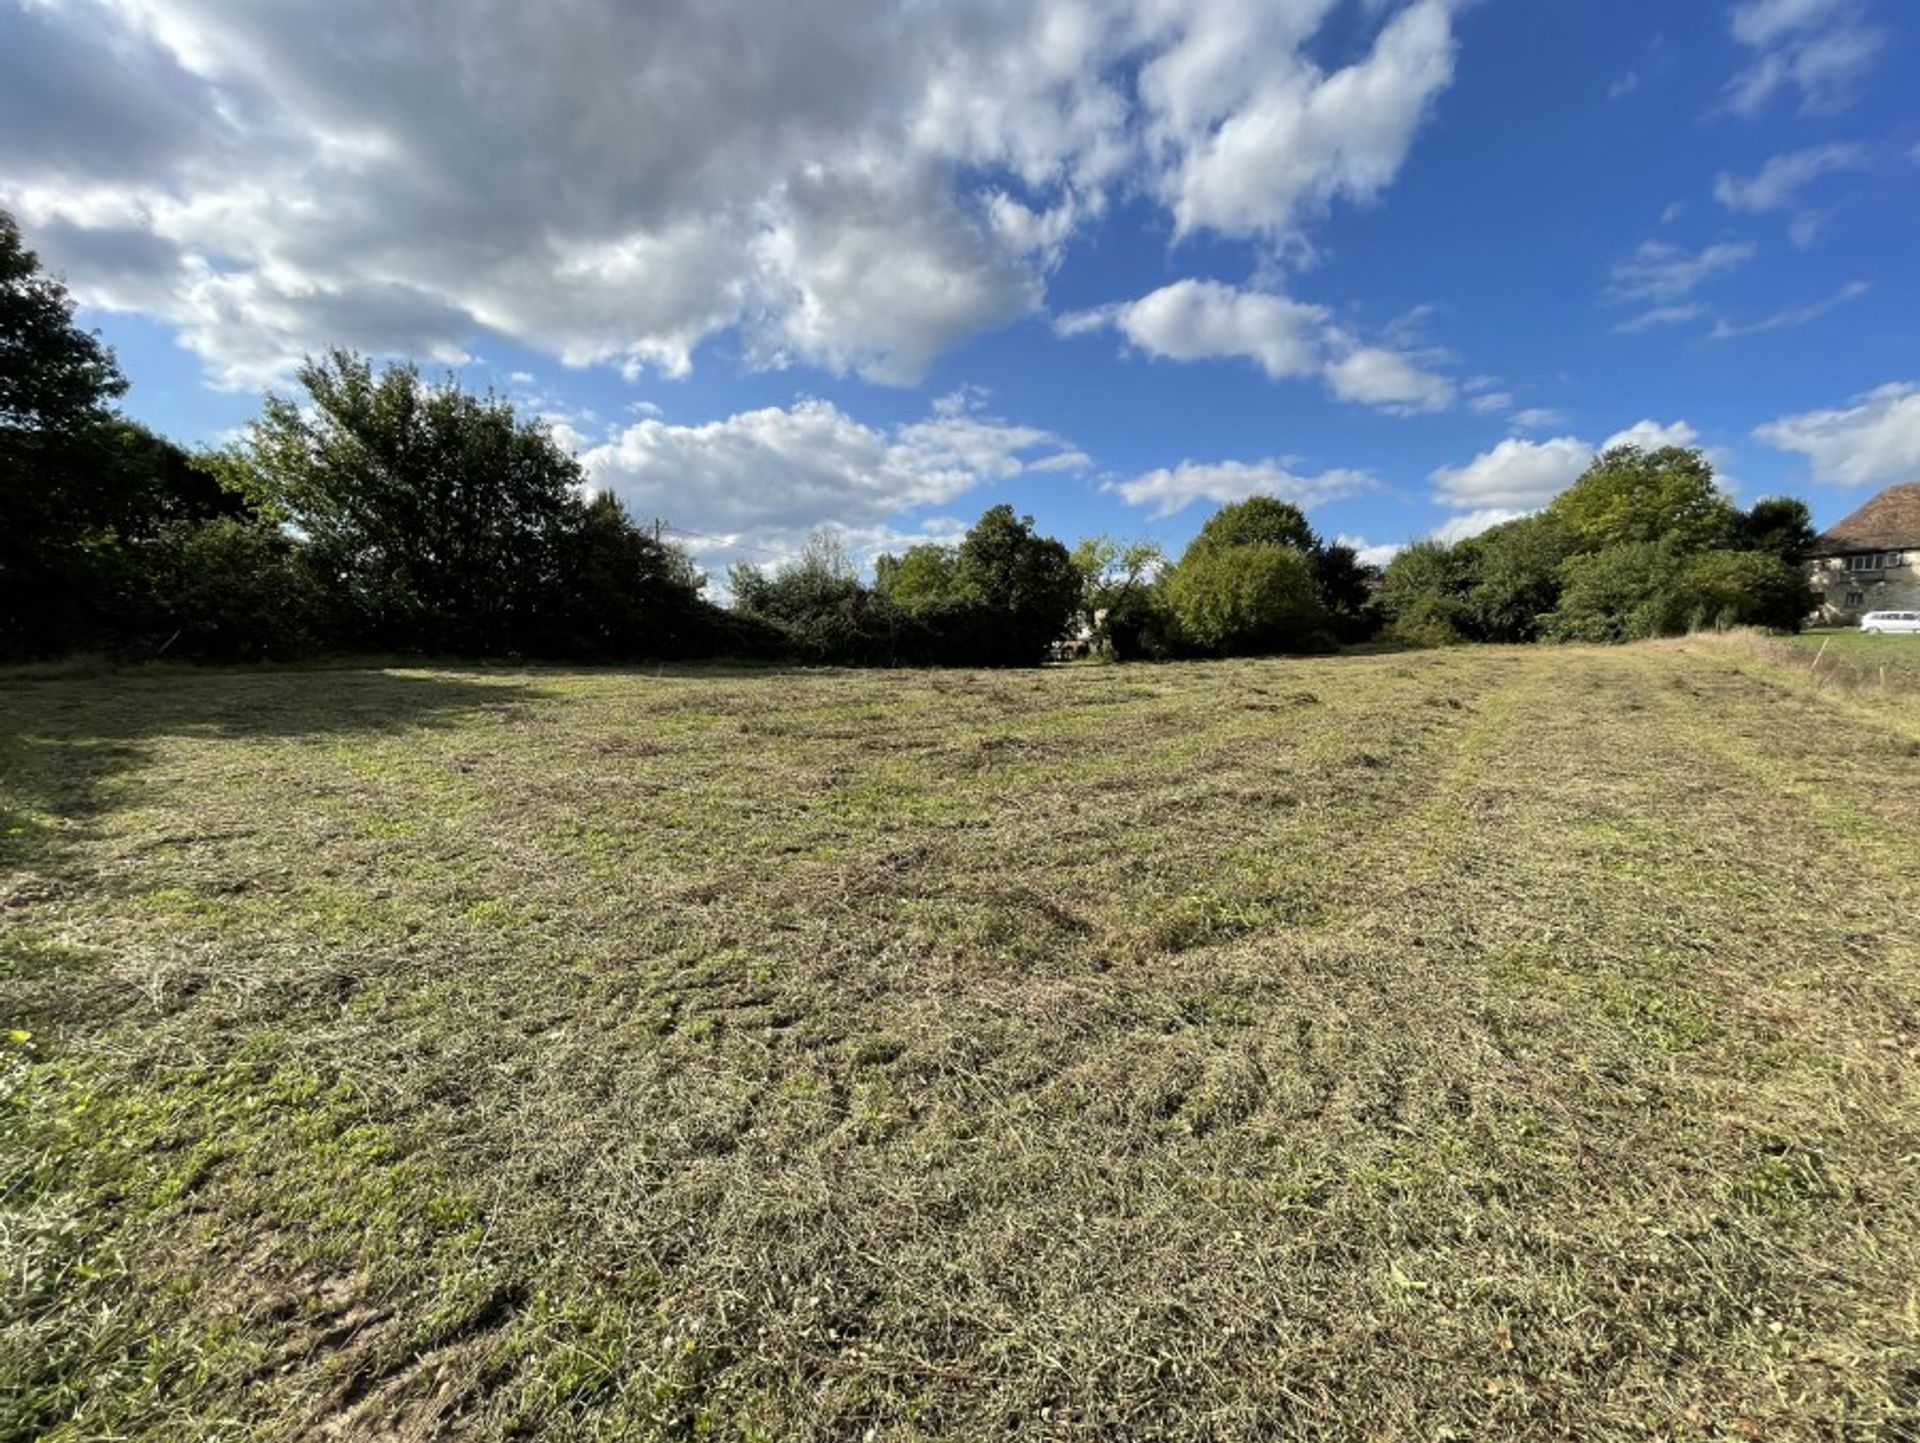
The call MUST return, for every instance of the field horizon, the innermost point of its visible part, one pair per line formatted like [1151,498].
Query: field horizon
[1490,1042]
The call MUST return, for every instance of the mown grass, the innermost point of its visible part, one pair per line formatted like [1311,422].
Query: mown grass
[1477,1044]
[1854,655]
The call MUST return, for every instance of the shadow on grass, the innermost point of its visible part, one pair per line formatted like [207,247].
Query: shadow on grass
[66,741]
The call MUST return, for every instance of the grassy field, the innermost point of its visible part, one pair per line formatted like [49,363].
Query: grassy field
[1485,1043]
[1888,660]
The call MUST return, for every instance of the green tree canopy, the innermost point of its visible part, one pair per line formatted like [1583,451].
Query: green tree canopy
[1781,525]
[54,377]
[436,515]
[1259,521]
[1026,579]
[1630,494]
[1242,600]
[1514,577]
[1424,593]
[927,575]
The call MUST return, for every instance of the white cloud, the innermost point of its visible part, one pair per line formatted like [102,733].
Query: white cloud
[1472,523]
[1516,475]
[1489,402]
[856,191]
[1168,489]
[1664,273]
[1192,320]
[1391,380]
[1793,315]
[1776,182]
[1063,461]
[1652,436]
[1661,316]
[1538,418]
[1872,441]
[1819,48]
[1805,228]
[1371,555]
[1253,138]
[757,477]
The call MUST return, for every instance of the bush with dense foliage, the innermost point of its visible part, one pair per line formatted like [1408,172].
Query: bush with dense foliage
[1644,544]
[1246,600]
[1257,580]
[228,589]
[999,598]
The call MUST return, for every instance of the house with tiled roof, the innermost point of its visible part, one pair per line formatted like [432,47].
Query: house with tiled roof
[1871,560]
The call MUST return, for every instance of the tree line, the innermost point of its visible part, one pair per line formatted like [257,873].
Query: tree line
[383,512]
[1643,544]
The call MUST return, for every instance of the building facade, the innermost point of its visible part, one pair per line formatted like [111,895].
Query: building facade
[1871,560]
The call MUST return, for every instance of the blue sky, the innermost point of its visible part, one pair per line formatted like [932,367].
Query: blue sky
[882,265]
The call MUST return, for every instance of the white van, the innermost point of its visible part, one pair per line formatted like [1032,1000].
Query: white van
[1879,621]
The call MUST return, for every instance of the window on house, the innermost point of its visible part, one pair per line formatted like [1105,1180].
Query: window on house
[1872,561]
[1856,598]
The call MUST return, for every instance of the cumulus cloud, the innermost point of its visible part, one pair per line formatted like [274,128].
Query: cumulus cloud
[855,193]
[1538,418]
[1391,380]
[1874,440]
[1254,137]
[1518,476]
[1817,48]
[760,479]
[1371,554]
[1652,436]
[1169,489]
[1472,523]
[1193,320]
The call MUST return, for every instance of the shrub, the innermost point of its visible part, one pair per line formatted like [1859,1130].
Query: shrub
[1246,600]
[224,590]
[1745,588]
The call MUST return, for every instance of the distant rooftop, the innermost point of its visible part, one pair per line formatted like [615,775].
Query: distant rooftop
[1889,522]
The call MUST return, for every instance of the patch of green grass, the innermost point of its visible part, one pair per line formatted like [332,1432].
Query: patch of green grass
[1850,652]
[1493,1043]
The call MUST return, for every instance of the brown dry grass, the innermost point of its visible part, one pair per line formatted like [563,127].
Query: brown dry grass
[1474,1044]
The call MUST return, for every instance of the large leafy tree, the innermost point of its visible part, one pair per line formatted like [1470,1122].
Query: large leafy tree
[1259,521]
[1424,593]
[1515,577]
[1246,583]
[78,483]
[1633,495]
[1246,600]
[1027,580]
[438,518]
[56,383]
[925,576]
[1781,525]
[55,379]
[624,592]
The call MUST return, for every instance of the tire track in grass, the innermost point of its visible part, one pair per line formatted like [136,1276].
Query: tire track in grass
[1582,893]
